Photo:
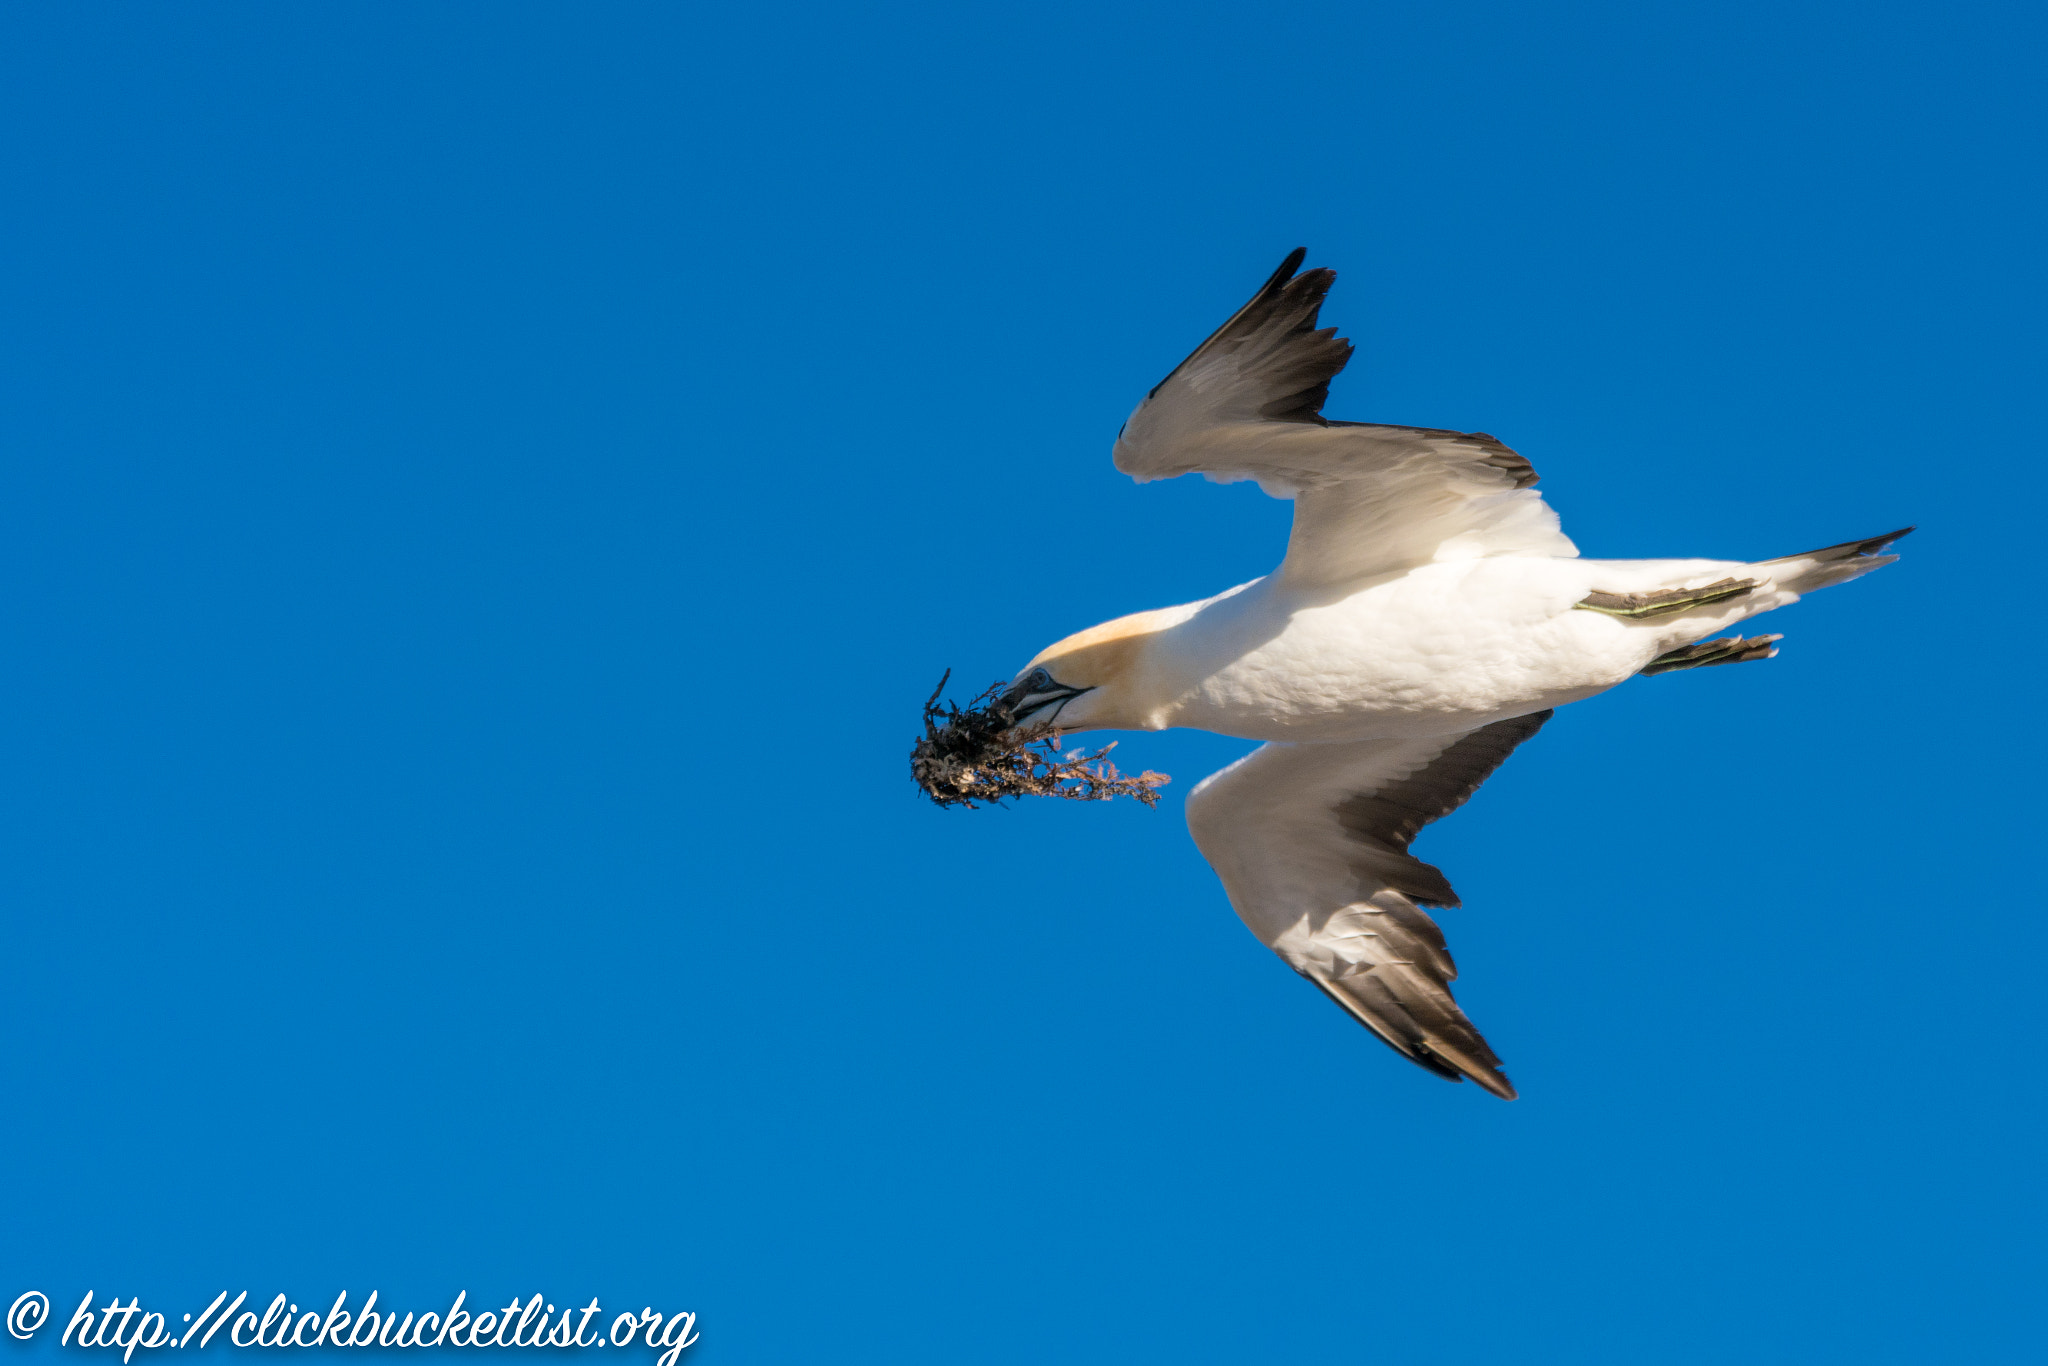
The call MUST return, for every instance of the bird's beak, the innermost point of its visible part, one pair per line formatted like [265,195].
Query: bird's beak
[1037,698]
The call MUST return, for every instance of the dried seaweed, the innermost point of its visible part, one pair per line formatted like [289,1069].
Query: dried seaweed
[980,754]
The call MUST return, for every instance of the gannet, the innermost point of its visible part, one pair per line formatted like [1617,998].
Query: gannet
[1429,616]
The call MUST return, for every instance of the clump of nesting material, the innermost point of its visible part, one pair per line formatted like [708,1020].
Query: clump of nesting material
[980,754]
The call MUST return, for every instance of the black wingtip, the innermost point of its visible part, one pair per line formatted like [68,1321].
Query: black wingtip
[1287,269]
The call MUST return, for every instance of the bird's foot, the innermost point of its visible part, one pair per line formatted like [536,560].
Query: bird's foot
[1727,650]
[1663,602]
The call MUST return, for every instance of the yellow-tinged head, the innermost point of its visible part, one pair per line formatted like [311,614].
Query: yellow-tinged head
[1097,679]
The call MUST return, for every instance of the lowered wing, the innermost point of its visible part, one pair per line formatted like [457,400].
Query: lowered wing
[1311,843]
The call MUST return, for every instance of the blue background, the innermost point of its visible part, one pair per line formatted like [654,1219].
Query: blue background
[486,488]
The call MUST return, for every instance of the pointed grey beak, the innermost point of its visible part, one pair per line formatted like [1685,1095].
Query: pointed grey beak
[1030,695]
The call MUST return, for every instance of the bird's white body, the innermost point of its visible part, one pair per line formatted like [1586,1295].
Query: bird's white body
[1446,646]
[1427,618]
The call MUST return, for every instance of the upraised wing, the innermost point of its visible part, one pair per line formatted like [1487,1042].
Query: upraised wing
[1368,498]
[1311,843]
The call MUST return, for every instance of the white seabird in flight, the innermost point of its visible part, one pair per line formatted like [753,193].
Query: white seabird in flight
[1428,617]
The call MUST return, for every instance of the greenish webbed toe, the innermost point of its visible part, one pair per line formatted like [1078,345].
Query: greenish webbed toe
[1663,602]
[1727,650]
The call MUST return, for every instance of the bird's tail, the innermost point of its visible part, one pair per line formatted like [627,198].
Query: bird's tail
[1831,565]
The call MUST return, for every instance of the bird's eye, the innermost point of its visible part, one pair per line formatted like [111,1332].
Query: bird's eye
[1040,680]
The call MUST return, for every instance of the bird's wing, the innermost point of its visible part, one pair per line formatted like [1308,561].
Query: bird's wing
[1311,842]
[1368,498]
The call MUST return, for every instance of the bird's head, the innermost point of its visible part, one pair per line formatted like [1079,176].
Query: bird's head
[1095,680]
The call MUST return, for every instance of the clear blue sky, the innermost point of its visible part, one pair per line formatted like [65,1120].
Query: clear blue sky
[484,489]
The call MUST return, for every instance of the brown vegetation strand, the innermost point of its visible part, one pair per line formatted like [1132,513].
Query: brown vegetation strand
[979,754]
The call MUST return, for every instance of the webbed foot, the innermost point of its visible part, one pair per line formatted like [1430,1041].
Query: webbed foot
[1728,650]
[1663,602]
